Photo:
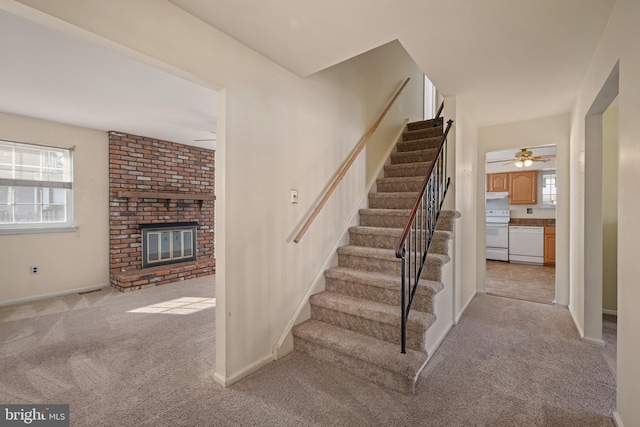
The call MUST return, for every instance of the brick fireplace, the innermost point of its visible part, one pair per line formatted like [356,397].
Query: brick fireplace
[159,186]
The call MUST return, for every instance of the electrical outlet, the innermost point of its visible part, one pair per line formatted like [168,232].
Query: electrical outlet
[35,269]
[294,196]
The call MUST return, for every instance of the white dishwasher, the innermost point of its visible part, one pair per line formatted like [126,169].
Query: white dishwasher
[526,244]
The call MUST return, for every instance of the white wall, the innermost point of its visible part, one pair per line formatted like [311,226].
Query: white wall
[279,132]
[618,43]
[466,201]
[67,261]
[610,210]
[530,133]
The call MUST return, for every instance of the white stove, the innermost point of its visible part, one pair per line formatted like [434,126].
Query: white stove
[497,234]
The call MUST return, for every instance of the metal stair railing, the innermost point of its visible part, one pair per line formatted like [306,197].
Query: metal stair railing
[417,235]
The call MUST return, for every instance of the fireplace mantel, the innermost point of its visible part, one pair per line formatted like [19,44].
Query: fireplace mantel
[165,195]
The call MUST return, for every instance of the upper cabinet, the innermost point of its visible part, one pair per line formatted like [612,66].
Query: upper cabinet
[523,189]
[498,182]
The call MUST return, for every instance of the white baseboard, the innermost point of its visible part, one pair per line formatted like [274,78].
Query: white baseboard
[466,304]
[594,341]
[575,322]
[226,382]
[617,419]
[611,312]
[432,349]
[54,294]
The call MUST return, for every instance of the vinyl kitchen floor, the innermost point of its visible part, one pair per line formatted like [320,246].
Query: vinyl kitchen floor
[521,281]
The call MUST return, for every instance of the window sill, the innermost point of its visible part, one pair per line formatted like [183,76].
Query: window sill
[38,230]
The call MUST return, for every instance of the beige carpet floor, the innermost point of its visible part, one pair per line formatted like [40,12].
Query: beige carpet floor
[507,363]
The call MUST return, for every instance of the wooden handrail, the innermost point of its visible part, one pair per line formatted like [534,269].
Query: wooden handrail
[347,165]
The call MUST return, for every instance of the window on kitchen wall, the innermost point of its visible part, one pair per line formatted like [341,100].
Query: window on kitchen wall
[36,187]
[548,188]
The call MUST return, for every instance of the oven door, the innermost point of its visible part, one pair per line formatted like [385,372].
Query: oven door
[497,242]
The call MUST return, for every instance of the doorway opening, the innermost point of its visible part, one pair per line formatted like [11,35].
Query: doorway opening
[520,206]
[601,183]
[601,219]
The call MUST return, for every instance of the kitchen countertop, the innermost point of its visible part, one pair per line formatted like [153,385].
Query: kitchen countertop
[533,222]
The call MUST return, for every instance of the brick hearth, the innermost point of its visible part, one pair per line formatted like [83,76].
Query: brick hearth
[151,182]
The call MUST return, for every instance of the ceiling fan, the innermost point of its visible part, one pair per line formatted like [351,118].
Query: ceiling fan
[524,158]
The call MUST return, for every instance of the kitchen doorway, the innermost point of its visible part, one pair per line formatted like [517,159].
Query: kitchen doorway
[520,207]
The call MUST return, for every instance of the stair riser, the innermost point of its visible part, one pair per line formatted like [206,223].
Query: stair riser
[421,302]
[378,202]
[381,331]
[388,186]
[401,158]
[418,144]
[422,133]
[409,169]
[431,271]
[425,124]
[391,221]
[375,374]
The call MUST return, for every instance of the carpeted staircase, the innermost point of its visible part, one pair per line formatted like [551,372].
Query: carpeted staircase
[355,322]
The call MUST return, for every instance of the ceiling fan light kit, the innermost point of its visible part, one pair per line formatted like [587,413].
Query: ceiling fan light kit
[524,158]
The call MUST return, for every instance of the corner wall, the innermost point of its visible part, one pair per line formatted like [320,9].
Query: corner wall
[618,45]
[464,199]
[68,261]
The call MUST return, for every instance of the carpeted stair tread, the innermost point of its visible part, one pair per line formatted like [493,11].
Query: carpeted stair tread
[399,184]
[396,218]
[378,312]
[383,254]
[386,281]
[388,238]
[364,356]
[425,124]
[422,133]
[384,231]
[395,200]
[425,155]
[390,212]
[407,169]
[418,144]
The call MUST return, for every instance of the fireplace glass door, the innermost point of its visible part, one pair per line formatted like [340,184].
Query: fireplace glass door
[168,244]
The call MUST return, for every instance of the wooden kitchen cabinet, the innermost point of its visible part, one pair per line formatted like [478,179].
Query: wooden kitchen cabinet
[523,188]
[550,245]
[497,182]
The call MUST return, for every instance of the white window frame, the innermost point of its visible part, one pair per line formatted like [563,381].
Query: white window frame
[541,176]
[9,177]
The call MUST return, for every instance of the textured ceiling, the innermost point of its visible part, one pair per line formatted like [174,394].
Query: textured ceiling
[507,60]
